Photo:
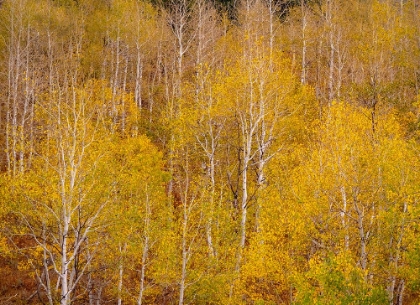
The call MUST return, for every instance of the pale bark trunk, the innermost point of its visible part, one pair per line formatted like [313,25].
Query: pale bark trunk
[362,234]
[343,217]
[90,284]
[184,253]
[143,270]
[332,52]
[271,11]
[14,76]
[205,33]
[185,247]
[120,282]
[123,113]
[46,258]
[244,201]
[400,294]
[184,265]
[341,54]
[304,23]
[139,77]
[200,34]
[115,82]
[212,194]
[145,253]
[65,297]
[243,217]
[120,274]
[210,151]
[394,260]
[99,297]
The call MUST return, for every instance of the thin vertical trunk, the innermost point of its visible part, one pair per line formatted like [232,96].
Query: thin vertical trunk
[31,135]
[331,51]
[394,261]
[205,32]
[139,77]
[123,113]
[143,269]
[263,144]
[343,217]
[244,213]
[304,24]
[184,257]
[400,292]
[24,111]
[65,297]
[200,34]
[180,28]
[362,234]
[156,77]
[243,205]
[121,273]
[120,283]
[271,12]
[90,283]
[46,261]
[184,247]
[14,77]
[145,253]
[260,184]
[98,299]
[210,152]
[318,86]
[244,201]
[115,81]
[212,194]
[9,104]
[341,56]
[75,265]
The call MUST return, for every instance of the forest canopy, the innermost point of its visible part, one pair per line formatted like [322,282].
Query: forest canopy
[200,152]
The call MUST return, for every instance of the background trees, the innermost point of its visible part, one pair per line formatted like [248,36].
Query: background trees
[196,152]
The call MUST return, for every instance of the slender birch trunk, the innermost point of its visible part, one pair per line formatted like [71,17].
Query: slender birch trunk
[145,253]
[304,24]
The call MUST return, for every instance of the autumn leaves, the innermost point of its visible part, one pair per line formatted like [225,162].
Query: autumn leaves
[168,154]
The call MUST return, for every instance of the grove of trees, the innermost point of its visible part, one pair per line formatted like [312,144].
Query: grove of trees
[200,152]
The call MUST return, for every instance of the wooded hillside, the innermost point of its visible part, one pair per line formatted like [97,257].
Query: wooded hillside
[199,152]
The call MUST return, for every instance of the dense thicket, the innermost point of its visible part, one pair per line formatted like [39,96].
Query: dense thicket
[191,152]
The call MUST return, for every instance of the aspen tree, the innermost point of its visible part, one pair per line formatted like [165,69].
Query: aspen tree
[23,67]
[204,45]
[66,194]
[142,215]
[257,87]
[351,198]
